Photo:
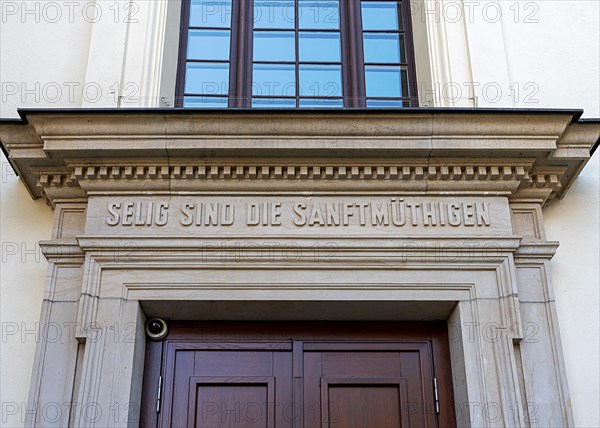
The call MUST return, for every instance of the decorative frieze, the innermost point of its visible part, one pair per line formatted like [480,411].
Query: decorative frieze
[526,177]
[293,172]
[499,176]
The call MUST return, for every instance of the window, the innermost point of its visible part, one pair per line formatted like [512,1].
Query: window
[296,54]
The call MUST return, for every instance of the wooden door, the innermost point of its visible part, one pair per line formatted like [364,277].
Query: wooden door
[334,375]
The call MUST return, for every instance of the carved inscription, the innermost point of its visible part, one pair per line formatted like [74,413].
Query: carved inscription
[390,212]
[138,214]
[394,212]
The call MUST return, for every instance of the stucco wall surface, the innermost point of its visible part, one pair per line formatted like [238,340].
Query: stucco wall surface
[23,222]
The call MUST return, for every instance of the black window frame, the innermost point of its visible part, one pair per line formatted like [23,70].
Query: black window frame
[352,56]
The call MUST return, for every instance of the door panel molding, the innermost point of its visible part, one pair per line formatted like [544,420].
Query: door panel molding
[328,411]
[196,381]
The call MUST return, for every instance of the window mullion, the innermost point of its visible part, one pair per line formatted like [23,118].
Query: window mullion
[181,70]
[297,47]
[234,55]
[355,64]
[410,54]
[248,54]
[241,55]
[345,26]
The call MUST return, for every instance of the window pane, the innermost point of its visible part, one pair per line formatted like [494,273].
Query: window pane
[319,14]
[385,81]
[274,80]
[210,13]
[319,47]
[380,15]
[205,102]
[385,103]
[382,47]
[273,103]
[274,13]
[207,78]
[321,103]
[209,44]
[274,46]
[320,80]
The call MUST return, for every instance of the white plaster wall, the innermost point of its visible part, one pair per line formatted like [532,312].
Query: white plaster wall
[23,222]
[558,51]
[42,55]
[574,222]
[93,54]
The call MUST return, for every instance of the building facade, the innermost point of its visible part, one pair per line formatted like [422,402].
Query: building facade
[379,244]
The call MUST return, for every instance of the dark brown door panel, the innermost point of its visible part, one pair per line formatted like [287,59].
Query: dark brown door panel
[325,375]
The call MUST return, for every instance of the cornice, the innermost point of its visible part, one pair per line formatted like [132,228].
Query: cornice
[395,245]
[522,154]
[62,251]
[533,251]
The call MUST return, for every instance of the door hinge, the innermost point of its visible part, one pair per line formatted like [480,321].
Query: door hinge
[435,396]
[158,395]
